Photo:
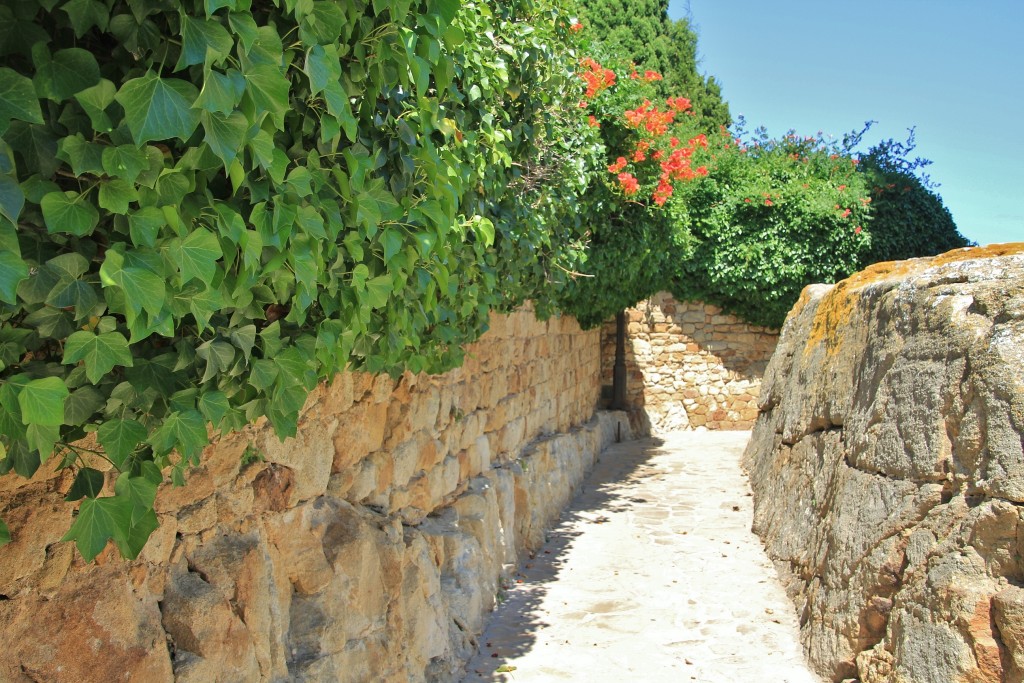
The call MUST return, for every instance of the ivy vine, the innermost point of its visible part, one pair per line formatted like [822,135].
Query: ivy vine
[208,206]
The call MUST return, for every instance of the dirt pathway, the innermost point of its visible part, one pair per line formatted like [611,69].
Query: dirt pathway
[653,575]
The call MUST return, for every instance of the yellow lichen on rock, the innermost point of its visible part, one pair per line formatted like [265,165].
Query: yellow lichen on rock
[837,306]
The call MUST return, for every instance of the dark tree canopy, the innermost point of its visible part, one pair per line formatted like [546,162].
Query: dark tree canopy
[642,31]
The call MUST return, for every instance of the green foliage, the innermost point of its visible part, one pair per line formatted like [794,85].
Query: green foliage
[767,222]
[744,226]
[208,207]
[908,216]
[641,31]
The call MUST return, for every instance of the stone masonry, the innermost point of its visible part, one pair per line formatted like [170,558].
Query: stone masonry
[888,469]
[689,365]
[369,547]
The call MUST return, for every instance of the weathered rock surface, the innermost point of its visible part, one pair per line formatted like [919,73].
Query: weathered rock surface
[888,470]
[368,548]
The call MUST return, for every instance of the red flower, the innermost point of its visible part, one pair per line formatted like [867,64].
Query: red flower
[577,27]
[680,104]
[768,202]
[845,214]
[630,185]
[594,123]
[619,164]
[856,231]
[652,76]
[842,187]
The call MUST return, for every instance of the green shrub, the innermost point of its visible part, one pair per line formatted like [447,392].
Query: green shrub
[769,221]
[908,218]
[743,225]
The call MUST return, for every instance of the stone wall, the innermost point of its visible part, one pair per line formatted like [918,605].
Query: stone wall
[369,547]
[689,365]
[888,469]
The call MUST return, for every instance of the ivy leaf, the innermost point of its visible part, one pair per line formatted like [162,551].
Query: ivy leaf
[201,38]
[393,241]
[446,9]
[69,212]
[204,304]
[486,229]
[50,322]
[42,402]
[378,289]
[244,338]
[73,293]
[219,355]
[140,493]
[17,99]
[142,289]
[83,403]
[225,135]
[196,256]
[100,352]
[214,406]
[84,14]
[41,439]
[326,21]
[5,534]
[88,483]
[68,265]
[120,438]
[268,87]
[221,92]
[124,161]
[214,5]
[139,532]
[242,24]
[95,100]
[65,73]
[263,375]
[12,199]
[158,108]
[322,67]
[116,194]
[144,225]
[184,431]
[99,520]
[21,459]
[12,271]
[84,157]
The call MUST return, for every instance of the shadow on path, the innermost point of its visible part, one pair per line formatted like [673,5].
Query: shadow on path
[651,575]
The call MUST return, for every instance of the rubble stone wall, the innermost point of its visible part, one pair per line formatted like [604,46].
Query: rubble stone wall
[689,365]
[369,547]
[888,469]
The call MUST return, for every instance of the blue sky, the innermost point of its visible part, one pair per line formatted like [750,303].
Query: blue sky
[953,69]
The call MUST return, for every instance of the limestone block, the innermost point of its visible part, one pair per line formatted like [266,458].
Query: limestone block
[360,431]
[309,455]
[95,626]
[200,621]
